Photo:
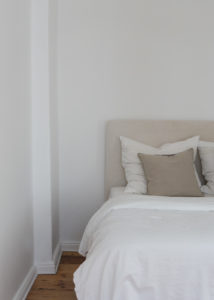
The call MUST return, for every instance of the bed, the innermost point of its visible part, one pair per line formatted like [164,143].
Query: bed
[148,247]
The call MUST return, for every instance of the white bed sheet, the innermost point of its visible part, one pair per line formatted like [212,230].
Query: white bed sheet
[143,247]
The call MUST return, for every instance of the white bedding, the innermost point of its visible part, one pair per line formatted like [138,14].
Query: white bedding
[143,247]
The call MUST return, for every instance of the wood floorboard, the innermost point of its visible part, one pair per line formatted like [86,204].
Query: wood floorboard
[59,286]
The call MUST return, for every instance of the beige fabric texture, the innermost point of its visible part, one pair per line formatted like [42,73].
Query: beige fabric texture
[171,175]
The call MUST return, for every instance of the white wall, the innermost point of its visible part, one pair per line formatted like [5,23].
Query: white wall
[16,223]
[124,59]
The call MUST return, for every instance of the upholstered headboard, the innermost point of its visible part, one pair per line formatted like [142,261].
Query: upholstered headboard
[152,132]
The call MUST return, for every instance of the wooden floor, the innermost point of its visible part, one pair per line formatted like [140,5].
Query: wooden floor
[59,286]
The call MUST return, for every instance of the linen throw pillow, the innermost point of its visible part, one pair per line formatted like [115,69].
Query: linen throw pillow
[206,152]
[171,175]
[135,177]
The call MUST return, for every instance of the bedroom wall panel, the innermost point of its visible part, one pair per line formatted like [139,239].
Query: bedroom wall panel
[44,132]
[41,132]
[124,59]
[16,217]
[54,121]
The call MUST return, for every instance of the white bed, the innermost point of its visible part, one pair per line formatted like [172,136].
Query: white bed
[142,247]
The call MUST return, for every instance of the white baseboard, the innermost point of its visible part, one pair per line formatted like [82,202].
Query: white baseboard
[57,256]
[51,267]
[46,268]
[26,285]
[70,246]
[42,268]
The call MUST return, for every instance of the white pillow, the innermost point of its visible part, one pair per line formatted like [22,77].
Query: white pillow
[136,180]
[206,152]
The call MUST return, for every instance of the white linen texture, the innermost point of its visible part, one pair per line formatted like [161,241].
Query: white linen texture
[206,152]
[148,247]
[135,177]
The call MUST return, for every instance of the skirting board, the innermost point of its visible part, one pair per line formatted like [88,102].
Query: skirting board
[57,256]
[51,266]
[44,268]
[70,246]
[26,285]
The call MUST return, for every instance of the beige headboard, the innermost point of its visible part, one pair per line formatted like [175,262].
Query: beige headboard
[152,132]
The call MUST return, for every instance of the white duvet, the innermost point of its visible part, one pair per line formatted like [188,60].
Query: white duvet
[148,248]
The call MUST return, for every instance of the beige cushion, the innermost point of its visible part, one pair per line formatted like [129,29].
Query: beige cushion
[170,175]
[136,180]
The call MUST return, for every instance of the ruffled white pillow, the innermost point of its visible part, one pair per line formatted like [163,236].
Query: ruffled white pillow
[136,180]
[206,152]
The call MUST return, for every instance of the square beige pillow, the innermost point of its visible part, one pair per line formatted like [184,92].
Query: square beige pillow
[171,175]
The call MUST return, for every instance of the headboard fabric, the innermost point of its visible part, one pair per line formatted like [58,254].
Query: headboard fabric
[151,132]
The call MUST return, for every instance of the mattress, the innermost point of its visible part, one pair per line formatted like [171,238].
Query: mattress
[148,247]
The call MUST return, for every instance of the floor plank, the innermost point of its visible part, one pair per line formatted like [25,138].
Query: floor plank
[59,286]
